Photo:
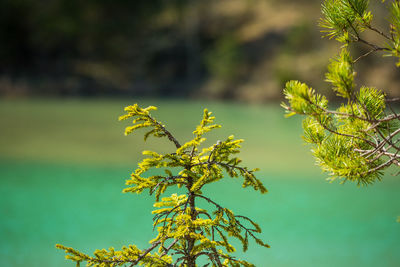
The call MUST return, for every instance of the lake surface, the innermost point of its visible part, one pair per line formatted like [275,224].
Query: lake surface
[63,165]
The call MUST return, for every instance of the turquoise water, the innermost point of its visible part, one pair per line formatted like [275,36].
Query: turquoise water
[307,221]
[63,164]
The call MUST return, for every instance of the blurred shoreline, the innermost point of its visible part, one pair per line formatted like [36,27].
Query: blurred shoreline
[242,50]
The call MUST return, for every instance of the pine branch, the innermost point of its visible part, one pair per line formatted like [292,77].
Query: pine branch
[147,251]
[397,99]
[367,54]
[167,133]
[169,247]
[164,181]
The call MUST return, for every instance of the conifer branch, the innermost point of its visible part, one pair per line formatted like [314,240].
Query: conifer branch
[359,139]
[359,39]
[209,201]
[345,134]
[167,133]
[380,167]
[397,99]
[390,117]
[224,165]
[166,179]
[387,139]
[147,251]
[216,257]
[379,32]
[367,24]
[367,54]
[169,247]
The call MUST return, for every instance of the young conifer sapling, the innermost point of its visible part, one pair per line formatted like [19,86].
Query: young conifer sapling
[187,233]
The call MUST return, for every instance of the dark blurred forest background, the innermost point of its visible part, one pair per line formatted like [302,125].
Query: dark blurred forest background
[227,49]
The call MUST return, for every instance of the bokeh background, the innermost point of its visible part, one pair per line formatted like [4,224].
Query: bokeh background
[67,69]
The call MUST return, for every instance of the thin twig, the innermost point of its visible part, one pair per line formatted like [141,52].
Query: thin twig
[167,133]
[147,251]
[392,99]
[369,26]
[165,180]
[168,248]
[366,54]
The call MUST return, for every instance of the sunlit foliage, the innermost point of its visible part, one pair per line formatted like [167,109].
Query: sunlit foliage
[359,139]
[185,231]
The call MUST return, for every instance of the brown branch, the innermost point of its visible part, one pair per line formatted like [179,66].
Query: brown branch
[191,260]
[168,248]
[327,111]
[212,151]
[216,257]
[165,180]
[366,54]
[147,251]
[369,26]
[383,165]
[385,119]
[359,39]
[118,261]
[379,32]
[347,135]
[335,113]
[167,213]
[392,99]
[388,139]
[167,133]
[223,164]
[209,200]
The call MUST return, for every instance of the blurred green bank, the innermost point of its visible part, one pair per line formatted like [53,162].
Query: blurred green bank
[63,164]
